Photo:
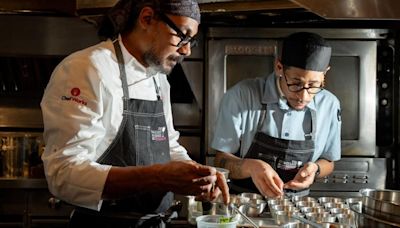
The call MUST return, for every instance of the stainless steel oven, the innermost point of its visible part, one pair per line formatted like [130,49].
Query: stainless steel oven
[239,53]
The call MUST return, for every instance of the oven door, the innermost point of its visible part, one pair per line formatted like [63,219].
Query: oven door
[230,61]
[240,54]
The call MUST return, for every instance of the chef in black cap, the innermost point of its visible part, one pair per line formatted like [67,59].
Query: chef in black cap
[111,148]
[276,134]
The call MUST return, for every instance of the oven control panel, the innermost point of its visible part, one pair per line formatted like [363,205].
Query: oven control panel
[352,174]
[386,85]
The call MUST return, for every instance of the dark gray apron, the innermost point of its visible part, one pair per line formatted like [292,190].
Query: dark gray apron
[142,139]
[284,156]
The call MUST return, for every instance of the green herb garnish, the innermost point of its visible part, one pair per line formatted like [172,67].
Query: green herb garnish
[225,219]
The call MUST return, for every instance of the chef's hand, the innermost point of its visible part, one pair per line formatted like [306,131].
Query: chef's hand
[221,187]
[265,178]
[304,177]
[191,178]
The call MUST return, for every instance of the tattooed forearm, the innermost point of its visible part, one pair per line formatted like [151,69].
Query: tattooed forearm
[230,162]
[222,163]
[235,168]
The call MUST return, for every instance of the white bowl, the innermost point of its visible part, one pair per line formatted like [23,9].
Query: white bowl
[213,221]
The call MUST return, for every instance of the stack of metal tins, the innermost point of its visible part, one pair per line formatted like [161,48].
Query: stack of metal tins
[380,208]
[323,211]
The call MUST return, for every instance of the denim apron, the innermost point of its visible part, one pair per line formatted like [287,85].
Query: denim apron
[142,139]
[286,157]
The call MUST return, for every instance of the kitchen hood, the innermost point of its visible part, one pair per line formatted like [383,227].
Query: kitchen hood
[353,9]
[67,7]
[327,9]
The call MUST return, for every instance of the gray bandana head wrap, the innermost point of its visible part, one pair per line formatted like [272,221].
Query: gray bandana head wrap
[307,51]
[123,15]
[187,8]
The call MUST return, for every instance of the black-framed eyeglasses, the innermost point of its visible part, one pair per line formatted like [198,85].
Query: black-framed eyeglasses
[297,87]
[185,39]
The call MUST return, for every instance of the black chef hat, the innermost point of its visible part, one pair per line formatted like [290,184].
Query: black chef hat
[122,16]
[307,51]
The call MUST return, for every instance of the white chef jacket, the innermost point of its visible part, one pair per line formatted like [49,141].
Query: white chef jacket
[82,110]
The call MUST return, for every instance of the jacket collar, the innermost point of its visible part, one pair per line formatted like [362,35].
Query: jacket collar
[130,60]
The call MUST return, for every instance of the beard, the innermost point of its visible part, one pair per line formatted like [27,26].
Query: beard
[156,64]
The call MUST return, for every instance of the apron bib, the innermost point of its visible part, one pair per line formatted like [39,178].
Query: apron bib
[142,139]
[284,156]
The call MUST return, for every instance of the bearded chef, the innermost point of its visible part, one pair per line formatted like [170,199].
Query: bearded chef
[111,148]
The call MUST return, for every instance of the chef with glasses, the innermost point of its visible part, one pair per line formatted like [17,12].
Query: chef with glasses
[111,147]
[276,134]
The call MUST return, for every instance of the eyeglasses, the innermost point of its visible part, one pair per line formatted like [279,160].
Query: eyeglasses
[297,87]
[185,39]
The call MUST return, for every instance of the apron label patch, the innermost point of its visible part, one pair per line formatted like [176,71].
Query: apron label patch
[159,134]
[289,165]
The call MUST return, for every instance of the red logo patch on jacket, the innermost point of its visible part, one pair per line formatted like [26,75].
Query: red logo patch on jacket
[75,92]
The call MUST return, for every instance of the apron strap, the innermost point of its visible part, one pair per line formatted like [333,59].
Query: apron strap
[157,89]
[262,117]
[121,65]
[122,72]
[313,124]
[125,97]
